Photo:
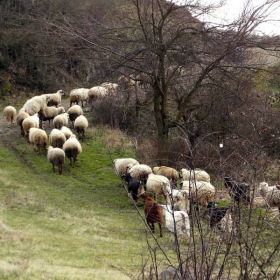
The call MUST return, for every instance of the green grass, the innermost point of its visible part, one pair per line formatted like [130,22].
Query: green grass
[78,225]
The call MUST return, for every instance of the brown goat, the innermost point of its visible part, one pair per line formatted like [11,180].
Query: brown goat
[153,213]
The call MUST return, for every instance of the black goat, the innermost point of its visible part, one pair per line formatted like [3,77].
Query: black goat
[216,214]
[134,187]
[240,192]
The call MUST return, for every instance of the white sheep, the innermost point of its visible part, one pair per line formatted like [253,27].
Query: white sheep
[271,194]
[195,175]
[57,138]
[121,165]
[21,115]
[56,157]
[72,149]
[139,171]
[29,122]
[111,87]
[60,120]
[55,98]
[49,113]
[199,192]
[10,114]
[79,95]
[67,131]
[97,92]
[177,222]
[158,185]
[81,125]
[38,138]
[74,112]
[36,104]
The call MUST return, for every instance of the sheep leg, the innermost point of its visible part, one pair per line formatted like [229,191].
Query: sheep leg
[160,230]
[53,168]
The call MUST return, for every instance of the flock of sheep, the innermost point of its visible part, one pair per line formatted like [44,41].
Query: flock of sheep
[141,180]
[149,183]
[61,142]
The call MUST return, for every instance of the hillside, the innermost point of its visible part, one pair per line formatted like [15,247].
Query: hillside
[78,225]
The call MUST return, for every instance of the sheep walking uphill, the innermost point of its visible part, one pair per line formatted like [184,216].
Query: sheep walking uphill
[10,113]
[81,125]
[66,131]
[158,185]
[60,120]
[49,113]
[74,112]
[57,138]
[72,149]
[55,98]
[38,138]
[169,172]
[199,192]
[153,213]
[96,93]
[121,165]
[79,95]
[139,171]
[271,194]
[21,115]
[36,104]
[56,157]
[195,175]
[29,122]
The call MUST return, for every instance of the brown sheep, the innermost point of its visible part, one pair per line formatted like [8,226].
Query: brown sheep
[153,213]
[169,172]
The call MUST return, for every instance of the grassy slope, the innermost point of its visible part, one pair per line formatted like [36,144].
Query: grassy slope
[78,225]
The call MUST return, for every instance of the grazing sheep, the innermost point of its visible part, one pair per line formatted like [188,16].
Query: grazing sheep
[67,131]
[81,125]
[195,175]
[21,115]
[199,192]
[36,104]
[134,187]
[38,138]
[96,93]
[121,165]
[10,114]
[55,98]
[29,122]
[158,185]
[240,192]
[111,87]
[271,194]
[139,171]
[57,138]
[177,222]
[60,120]
[153,213]
[79,95]
[74,112]
[56,157]
[49,113]
[72,149]
[169,172]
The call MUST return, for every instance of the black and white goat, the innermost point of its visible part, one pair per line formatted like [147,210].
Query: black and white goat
[134,187]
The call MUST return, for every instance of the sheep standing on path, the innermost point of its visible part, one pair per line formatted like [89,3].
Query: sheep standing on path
[56,157]
[21,115]
[55,98]
[38,138]
[72,149]
[195,175]
[60,120]
[49,113]
[10,114]
[57,138]
[74,112]
[29,122]
[121,165]
[36,104]
[81,125]
[79,95]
